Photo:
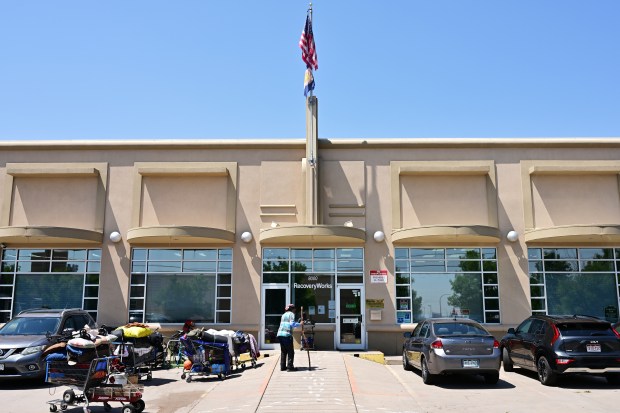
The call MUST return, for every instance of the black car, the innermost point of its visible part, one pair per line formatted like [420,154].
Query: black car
[25,337]
[554,345]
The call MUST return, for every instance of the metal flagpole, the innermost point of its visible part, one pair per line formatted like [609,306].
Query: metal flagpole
[310,12]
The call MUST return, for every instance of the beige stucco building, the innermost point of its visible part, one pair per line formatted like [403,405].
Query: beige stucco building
[368,235]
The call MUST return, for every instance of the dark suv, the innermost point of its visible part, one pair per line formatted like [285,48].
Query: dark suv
[563,344]
[25,337]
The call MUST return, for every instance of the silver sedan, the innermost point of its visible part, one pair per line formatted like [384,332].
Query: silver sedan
[440,346]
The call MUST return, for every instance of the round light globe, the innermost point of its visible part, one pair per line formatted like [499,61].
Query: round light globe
[115,236]
[512,236]
[246,237]
[379,236]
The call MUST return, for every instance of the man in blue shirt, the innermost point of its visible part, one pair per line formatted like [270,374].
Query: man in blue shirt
[285,337]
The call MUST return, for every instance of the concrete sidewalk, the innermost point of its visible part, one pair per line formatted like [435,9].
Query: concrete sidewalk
[336,382]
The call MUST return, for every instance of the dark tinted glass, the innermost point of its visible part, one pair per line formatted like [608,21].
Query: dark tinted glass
[585,329]
[457,328]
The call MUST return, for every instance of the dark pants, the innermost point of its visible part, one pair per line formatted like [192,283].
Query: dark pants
[286,351]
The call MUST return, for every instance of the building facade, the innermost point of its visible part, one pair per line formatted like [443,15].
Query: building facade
[368,236]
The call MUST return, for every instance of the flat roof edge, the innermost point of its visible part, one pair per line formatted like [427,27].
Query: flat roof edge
[153,144]
[294,143]
[470,142]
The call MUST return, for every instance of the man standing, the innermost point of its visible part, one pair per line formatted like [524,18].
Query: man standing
[285,337]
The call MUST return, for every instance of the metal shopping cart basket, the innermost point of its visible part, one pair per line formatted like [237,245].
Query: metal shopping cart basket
[90,382]
[206,358]
[136,360]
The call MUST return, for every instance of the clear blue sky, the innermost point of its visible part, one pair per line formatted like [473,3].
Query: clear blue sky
[196,69]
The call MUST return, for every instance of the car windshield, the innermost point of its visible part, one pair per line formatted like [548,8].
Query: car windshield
[456,328]
[585,329]
[30,326]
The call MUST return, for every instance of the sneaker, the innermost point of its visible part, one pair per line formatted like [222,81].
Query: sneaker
[292,369]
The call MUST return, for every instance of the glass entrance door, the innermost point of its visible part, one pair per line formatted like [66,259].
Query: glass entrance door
[350,326]
[274,299]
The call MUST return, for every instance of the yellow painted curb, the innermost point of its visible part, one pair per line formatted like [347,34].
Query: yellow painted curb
[375,356]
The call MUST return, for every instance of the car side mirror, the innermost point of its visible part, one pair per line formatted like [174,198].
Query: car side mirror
[68,332]
[511,330]
[407,335]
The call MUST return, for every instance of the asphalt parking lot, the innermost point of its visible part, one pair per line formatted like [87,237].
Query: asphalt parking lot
[337,382]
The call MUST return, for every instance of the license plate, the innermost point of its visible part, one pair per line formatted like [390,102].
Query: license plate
[1,366]
[470,364]
[593,348]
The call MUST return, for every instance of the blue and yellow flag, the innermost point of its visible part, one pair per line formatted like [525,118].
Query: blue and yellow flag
[308,82]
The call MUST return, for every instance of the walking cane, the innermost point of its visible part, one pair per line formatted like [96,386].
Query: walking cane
[304,339]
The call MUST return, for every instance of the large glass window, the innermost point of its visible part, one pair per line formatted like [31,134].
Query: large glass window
[446,282]
[313,274]
[575,281]
[173,285]
[49,278]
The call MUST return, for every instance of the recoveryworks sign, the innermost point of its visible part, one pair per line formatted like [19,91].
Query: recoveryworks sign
[313,286]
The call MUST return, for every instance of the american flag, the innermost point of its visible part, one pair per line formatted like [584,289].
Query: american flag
[308,50]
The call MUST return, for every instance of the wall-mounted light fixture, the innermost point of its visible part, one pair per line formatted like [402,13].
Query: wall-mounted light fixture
[379,236]
[512,236]
[348,224]
[246,237]
[274,224]
[115,237]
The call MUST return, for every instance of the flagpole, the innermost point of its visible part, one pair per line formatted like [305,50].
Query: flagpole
[310,11]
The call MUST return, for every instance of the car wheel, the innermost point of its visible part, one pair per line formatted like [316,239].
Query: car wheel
[491,378]
[427,377]
[406,364]
[508,366]
[545,374]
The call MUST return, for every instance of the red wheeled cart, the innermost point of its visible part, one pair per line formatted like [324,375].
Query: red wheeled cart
[91,382]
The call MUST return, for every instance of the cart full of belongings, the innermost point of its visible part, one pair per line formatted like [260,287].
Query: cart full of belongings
[82,362]
[206,355]
[80,346]
[243,347]
[140,349]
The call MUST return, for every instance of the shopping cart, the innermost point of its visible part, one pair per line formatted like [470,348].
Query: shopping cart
[174,356]
[205,358]
[136,360]
[307,338]
[245,350]
[90,382]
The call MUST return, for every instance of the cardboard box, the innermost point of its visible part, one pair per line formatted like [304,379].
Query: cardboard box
[348,338]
